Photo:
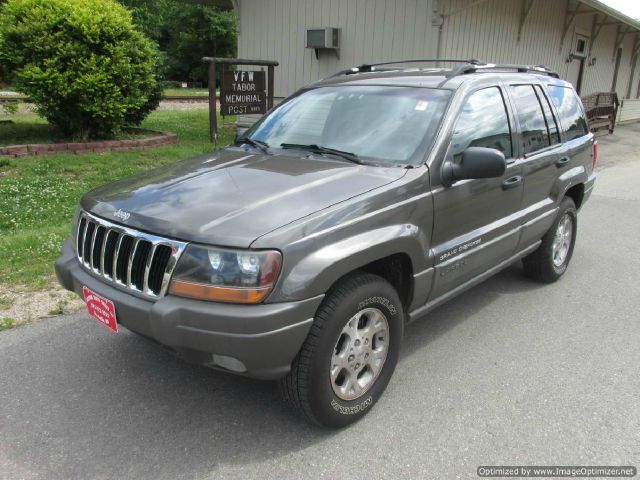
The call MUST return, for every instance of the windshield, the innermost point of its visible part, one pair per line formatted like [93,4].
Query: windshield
[380,124]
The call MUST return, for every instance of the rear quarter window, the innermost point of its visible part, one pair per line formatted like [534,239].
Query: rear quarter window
[574,123]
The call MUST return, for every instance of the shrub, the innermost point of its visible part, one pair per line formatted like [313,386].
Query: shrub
[82,63]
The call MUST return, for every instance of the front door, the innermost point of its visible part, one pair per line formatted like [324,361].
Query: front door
[475,221]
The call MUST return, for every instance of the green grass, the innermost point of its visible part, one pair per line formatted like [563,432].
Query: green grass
[186,92]
[39,194]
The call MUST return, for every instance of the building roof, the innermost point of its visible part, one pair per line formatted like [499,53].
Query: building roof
[611,12]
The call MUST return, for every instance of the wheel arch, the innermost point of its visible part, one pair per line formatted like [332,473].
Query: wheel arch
[394,253]
[576,193]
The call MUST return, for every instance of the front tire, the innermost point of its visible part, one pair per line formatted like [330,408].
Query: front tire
[350,353]
[551,259]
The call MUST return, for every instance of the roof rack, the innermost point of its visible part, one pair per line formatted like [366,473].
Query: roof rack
[468,66]
[373,67]
[367,66]
[483,67]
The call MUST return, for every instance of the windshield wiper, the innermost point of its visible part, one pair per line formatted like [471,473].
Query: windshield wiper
[259,144]
[352,157]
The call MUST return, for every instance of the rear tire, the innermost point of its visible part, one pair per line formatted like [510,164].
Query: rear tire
[350,353]
[551,259]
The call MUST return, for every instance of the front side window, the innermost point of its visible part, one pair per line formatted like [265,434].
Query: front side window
[483,122]
[574,123]
[535,134]
[383,125]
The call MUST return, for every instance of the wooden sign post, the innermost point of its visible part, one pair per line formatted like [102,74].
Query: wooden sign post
[241,91]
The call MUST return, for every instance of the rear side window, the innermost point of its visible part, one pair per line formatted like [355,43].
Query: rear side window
[483,122]
[574,124]
[535,135]
[552,125]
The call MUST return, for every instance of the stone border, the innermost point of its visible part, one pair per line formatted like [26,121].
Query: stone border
[160,140]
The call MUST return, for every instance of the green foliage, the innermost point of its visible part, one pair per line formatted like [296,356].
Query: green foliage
[10,108]
[150,16]
[7,323]
[82,62]
[185,33]
[194,32]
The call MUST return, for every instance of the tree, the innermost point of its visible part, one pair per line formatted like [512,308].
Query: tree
[150,16]
[82,62]
[185,33]
[195,31]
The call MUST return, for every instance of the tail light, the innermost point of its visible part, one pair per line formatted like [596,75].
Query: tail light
[595,155]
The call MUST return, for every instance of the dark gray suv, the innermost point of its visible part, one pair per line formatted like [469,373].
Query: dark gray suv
[355,206]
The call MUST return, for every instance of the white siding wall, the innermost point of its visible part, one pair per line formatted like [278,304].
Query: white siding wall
[489,32]
[630,110]
[372,31]
[379,30]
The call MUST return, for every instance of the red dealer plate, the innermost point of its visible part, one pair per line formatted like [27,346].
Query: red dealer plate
[101,309]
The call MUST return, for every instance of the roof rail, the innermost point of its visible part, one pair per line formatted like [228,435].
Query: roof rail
[367,66]
[468,66]
[372,67]
[483,67]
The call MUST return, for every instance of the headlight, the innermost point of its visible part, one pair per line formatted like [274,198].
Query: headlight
[223,275]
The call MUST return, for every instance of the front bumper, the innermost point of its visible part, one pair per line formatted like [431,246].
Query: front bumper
[265,338]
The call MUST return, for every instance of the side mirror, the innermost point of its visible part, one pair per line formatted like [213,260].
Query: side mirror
[476,162]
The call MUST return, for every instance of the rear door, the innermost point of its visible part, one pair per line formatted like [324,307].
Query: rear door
[576,137]
[542,157]
[475,221]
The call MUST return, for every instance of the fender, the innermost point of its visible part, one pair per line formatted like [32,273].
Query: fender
[315,273]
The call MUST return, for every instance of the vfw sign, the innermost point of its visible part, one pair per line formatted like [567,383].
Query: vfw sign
[243,92]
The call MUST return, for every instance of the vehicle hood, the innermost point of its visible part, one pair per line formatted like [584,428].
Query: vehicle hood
[233,196]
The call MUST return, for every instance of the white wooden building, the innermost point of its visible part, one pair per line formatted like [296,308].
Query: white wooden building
[586,42]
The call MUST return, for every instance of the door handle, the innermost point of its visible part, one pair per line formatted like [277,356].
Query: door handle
[512,182]
[562,161]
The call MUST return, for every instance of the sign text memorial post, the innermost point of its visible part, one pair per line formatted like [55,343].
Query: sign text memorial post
[242,92]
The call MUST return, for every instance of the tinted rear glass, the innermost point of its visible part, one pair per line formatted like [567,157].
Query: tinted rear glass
[532,122]
[552,126]
[574,124]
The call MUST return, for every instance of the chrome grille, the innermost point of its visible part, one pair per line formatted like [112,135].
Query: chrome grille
[126,257]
